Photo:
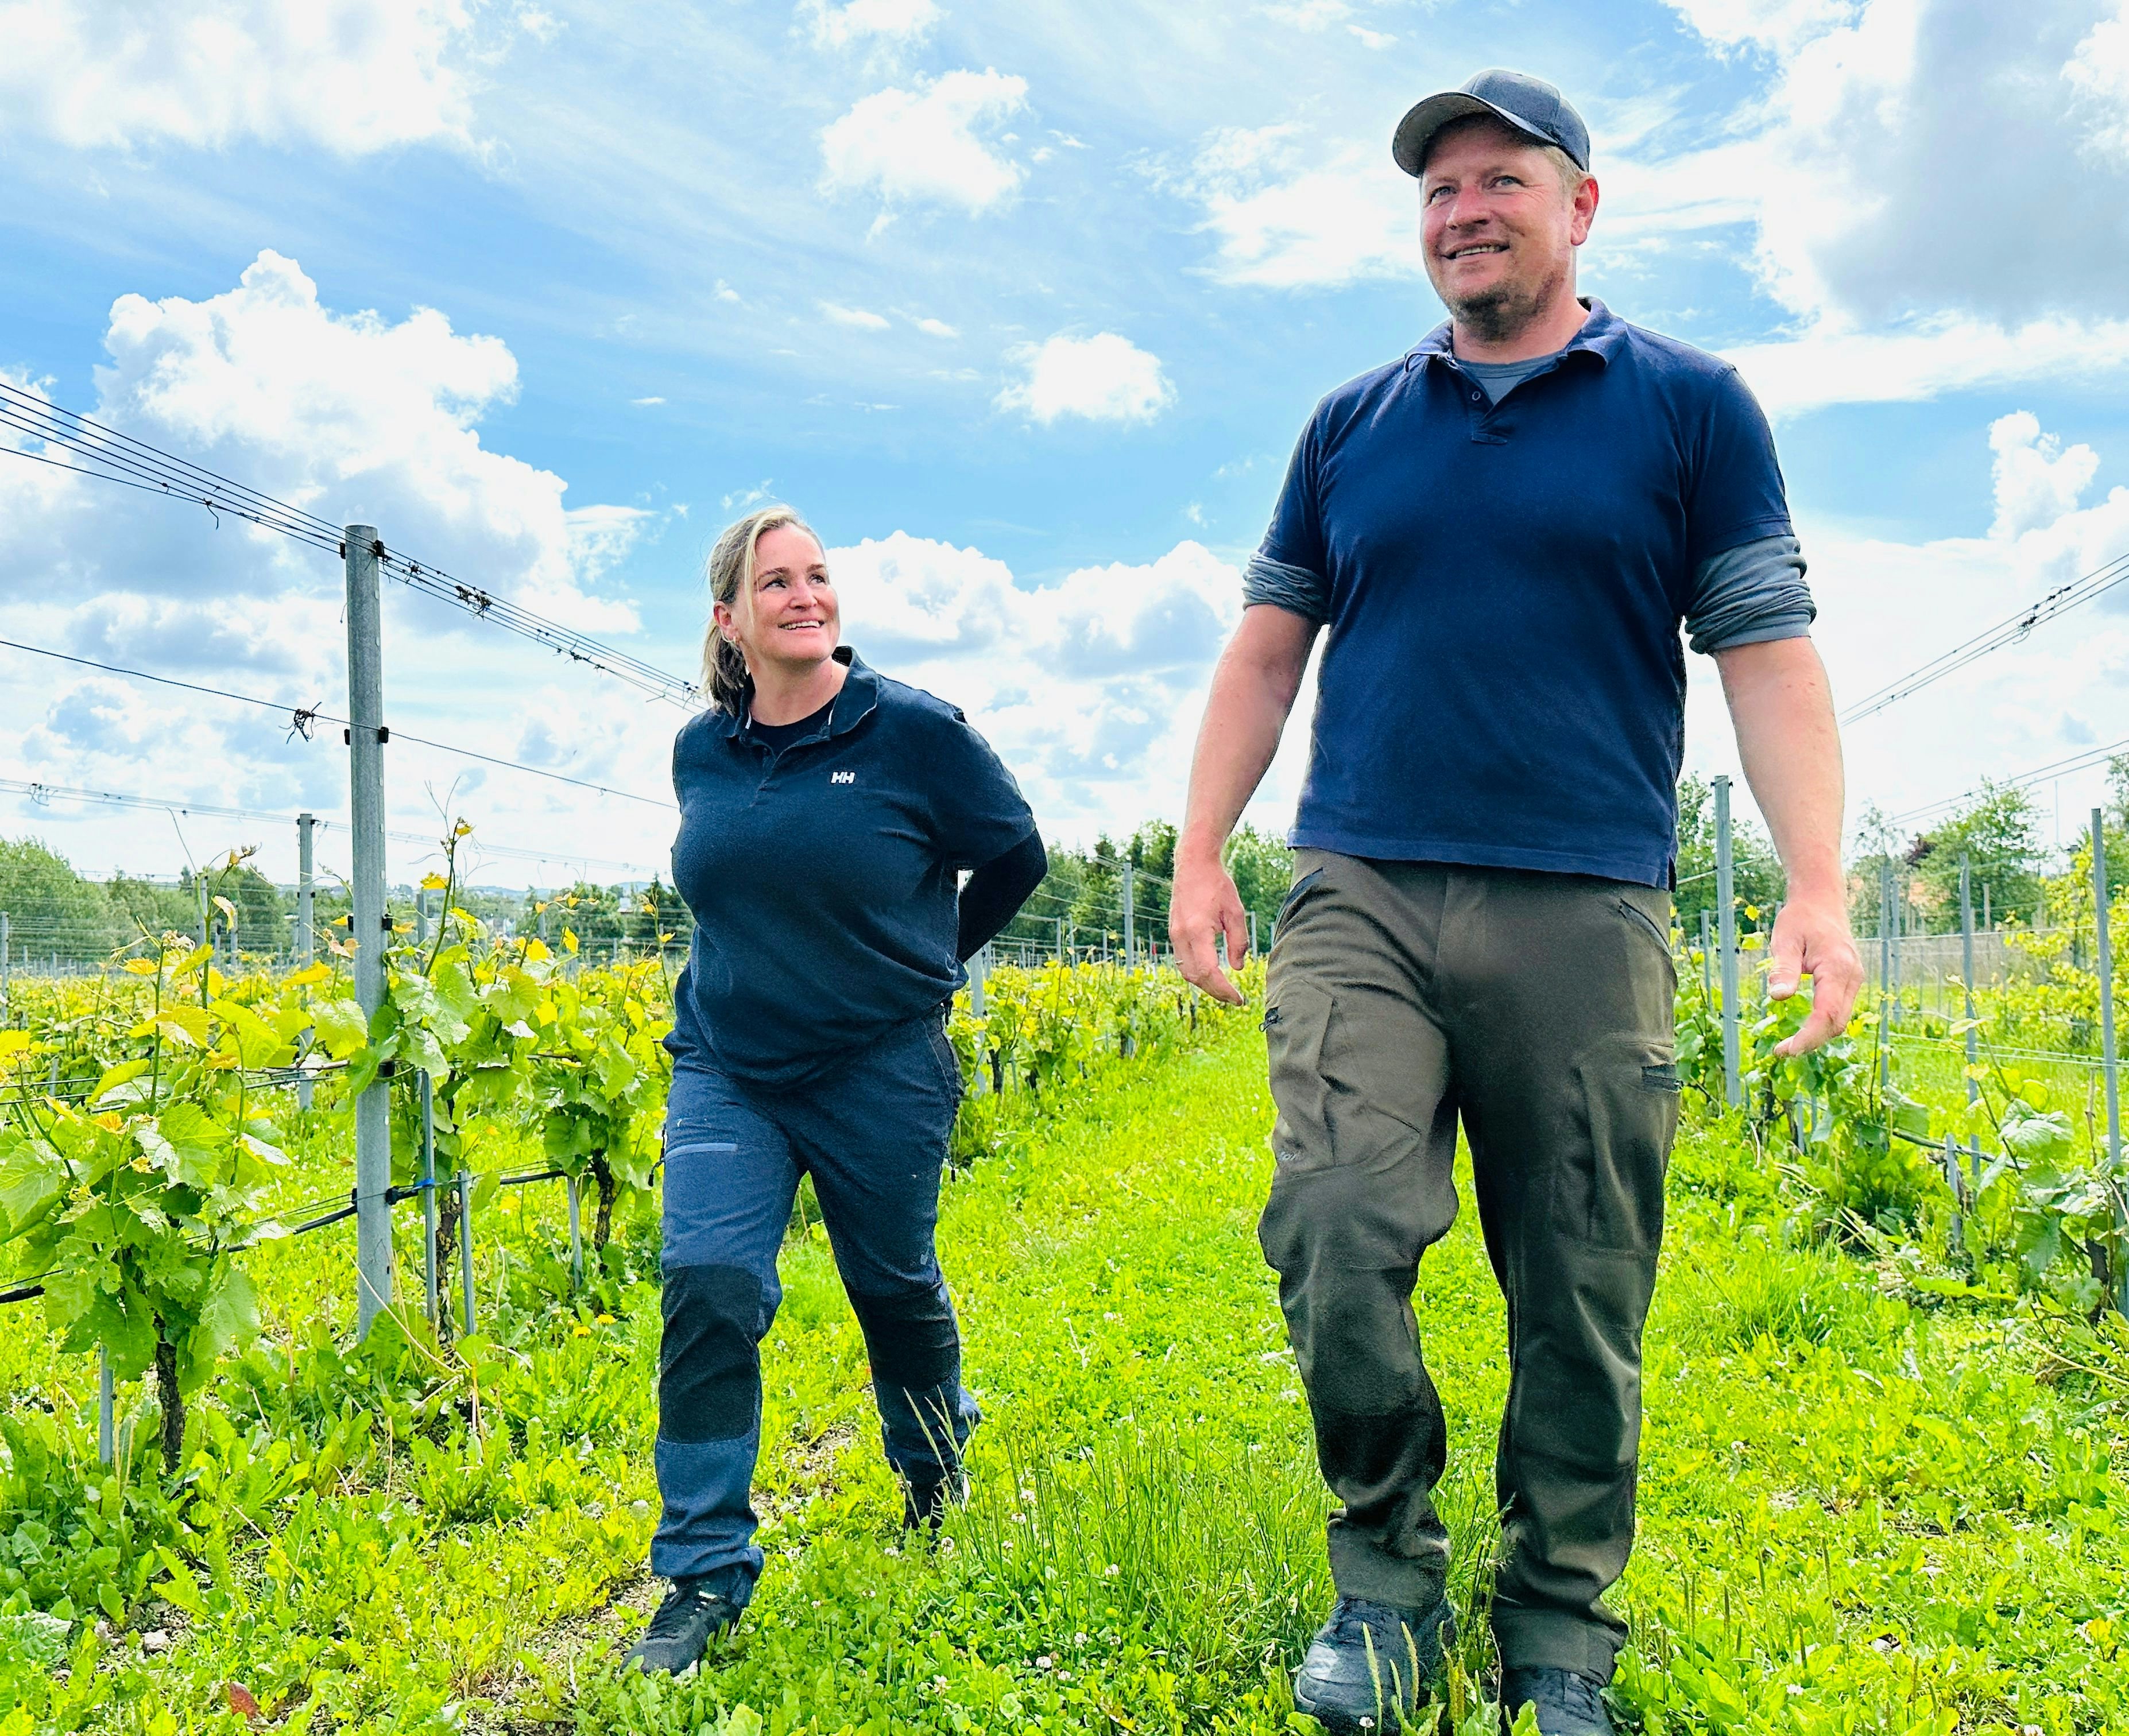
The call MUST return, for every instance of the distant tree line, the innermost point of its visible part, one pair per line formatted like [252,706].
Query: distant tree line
[55,912]
[1085,887]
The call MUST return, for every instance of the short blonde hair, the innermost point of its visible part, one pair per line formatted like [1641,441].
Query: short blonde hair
[729,572]
[1572,174]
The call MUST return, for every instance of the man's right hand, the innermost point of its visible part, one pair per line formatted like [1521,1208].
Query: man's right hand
[1204,906]
[1253,688]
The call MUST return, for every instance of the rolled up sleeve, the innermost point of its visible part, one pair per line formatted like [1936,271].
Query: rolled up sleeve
[1749,594]
[1296,589]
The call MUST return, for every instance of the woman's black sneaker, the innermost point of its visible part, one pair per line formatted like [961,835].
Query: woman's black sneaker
[1567,1702]
[924,1500]
[694,1612]
[1367,1665]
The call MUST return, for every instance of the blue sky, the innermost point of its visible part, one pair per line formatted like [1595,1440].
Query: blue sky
[1023,305]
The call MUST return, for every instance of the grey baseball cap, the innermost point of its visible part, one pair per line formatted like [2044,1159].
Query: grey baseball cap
[1528,105]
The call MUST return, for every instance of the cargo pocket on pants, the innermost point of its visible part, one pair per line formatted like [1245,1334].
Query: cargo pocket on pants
[1611,1190]
[1352,1189]
[1297,1026]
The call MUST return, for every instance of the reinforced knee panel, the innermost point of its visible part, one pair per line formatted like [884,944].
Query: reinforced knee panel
[709,1360]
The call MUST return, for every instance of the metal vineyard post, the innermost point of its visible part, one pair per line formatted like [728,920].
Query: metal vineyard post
[366,736]
[979,973]
[307,932]
[1966,967]
[429,1275]
[1726,909]
[1886,973]
[2103,960]
[1130,927]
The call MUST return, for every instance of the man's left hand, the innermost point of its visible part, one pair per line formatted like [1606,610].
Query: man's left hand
[1812,938]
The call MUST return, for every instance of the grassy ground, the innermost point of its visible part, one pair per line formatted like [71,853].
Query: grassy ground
[1859,1514]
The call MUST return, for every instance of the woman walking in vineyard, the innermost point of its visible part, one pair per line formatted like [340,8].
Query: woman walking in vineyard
[826,814]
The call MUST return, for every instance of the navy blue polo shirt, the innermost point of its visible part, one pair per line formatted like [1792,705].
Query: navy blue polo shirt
[1503,683]
[823,877]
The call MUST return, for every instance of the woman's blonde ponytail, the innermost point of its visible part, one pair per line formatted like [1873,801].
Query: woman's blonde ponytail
[730,574]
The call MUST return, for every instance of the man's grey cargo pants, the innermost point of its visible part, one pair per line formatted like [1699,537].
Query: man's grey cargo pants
[1536,1008]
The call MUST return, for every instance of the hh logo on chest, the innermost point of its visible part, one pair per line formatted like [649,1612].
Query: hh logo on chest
[842,777]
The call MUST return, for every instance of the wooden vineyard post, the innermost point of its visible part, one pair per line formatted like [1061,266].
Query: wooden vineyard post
[366,736]
[1726,906]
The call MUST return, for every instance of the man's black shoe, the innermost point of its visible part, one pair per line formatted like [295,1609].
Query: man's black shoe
[1567,1702]
[924,1500]
[694,1611]
[1370,1662]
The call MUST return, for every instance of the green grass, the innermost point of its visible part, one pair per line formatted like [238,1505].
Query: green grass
[1858,1514]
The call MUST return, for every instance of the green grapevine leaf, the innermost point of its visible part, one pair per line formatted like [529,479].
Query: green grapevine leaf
[341,1028]
[31,1183]
[228,1317]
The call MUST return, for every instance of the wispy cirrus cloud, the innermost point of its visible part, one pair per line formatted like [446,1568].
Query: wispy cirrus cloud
[348,76]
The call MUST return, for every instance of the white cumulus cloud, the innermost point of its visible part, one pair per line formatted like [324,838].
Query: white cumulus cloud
[1880,199]
[1102,378]
[933,144]
[2038,482]
[1091,689]
[355,417]
[352,76]
[1887,607]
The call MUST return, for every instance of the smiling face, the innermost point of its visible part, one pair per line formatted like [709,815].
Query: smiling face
[1501,226]
[788,617]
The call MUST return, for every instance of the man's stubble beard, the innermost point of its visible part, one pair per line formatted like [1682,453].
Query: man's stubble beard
[1504,312]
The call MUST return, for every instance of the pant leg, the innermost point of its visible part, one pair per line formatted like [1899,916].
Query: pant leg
[1366,1144]
[730,1179]
[1559,999]
[875,1141]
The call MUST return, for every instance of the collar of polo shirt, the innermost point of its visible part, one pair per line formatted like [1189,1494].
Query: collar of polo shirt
[1601,334]
[855,702]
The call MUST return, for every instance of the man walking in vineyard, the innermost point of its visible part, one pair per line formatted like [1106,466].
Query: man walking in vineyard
[1502,531]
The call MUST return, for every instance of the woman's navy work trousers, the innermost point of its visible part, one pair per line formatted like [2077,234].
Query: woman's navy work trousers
[873,1138]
